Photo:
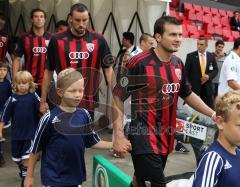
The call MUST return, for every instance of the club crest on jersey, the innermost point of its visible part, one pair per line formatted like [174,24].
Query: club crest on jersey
[90,47]
[46,42]
[178,72]
[4,39]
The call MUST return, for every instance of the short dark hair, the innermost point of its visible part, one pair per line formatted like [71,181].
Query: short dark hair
[236,43]
[144,37]
[2,16]
[61,23]
[37,10]
[129,36]
[79,7]
[219,42]
[203,38]
[160,23]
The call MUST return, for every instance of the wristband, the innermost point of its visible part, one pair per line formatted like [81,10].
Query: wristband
[213,116]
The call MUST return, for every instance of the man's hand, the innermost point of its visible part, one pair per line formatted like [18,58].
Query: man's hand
[43,107]
[121,145]
[29,181]
[204,78]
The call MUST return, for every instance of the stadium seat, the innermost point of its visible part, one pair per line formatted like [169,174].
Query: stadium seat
[199,16]
[216,21]
[207,18]
[230,14]
[210,29]
[235,34]
[218,30]
[192,15]
[214,11]
[174,4]
[192,29]
[197,8]
[187,8]
[227,35]
[206,10]
[222,13]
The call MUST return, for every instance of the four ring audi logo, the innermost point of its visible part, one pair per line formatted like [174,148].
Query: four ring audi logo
[170,88]
[78,55]
[39,49]
[1,44]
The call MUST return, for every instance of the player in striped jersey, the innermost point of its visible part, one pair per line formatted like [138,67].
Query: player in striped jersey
[33,45]
[220,165]
[23,110]
[154,79]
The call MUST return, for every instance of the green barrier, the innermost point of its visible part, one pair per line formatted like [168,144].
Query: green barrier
[105,174]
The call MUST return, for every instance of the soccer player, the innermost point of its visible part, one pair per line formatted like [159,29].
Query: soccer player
[80,48]
[154,80]
[6,91]
[220,164]
[22,108]
[229,79]
[33,45]
[62,136]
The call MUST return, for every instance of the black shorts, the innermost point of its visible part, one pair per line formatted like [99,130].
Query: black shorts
[20,150]
[149,170]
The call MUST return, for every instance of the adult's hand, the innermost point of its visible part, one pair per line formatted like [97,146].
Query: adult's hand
[121,145]
[29,182]
[43,107]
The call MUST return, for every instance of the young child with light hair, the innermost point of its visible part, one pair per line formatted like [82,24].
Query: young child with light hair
[22,108]
[220,165]
[62,136]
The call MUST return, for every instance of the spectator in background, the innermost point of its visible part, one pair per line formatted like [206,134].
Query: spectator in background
[229,79]
[235,22]
[201,68]
[220,57]
[61,26]
[146,42]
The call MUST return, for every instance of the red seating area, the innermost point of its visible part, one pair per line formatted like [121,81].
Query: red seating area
[204,21]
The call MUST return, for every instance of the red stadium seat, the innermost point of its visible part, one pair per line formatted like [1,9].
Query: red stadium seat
[222,13]
[199,16]
[197,8]
[235,34]
[216,21]
[192,29]
[225,21]
[207,18]
[218,30]
[192,15]
[185,32]
[174,4]
[214,11]
[210,29]
[227,35]
[208,37]
[187,8]
[206,10]
[230,14]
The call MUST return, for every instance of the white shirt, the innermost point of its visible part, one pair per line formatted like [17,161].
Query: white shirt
[136,52]
[230,71]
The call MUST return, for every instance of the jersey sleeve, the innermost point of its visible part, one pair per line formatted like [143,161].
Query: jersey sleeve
[185,88]
[19,48]
[42,134]
[231,71]
[91,138]
[36,102]
[7,110]
[51,62]
[209,170]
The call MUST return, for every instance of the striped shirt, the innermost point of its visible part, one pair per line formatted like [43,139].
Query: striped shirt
[218,168]
[154,87]
[88,54]
[34,49]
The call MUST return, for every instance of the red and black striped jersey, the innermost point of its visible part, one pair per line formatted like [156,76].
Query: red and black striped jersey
[4,44]
[34,49]
[88,54]
[154,87]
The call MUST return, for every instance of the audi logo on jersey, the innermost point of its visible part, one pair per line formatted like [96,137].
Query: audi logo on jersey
[170,88]
[78,55]
[39,49]
[1,44]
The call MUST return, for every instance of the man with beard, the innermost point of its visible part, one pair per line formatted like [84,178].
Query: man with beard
[154,79]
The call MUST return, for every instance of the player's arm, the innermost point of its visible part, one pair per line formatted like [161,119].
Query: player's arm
[110,77]
[47,77]
[1,130]
[103,145]
[197,104]
[16,65]
[29,180]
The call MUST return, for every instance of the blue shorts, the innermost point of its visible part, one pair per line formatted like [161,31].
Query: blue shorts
[20,150]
